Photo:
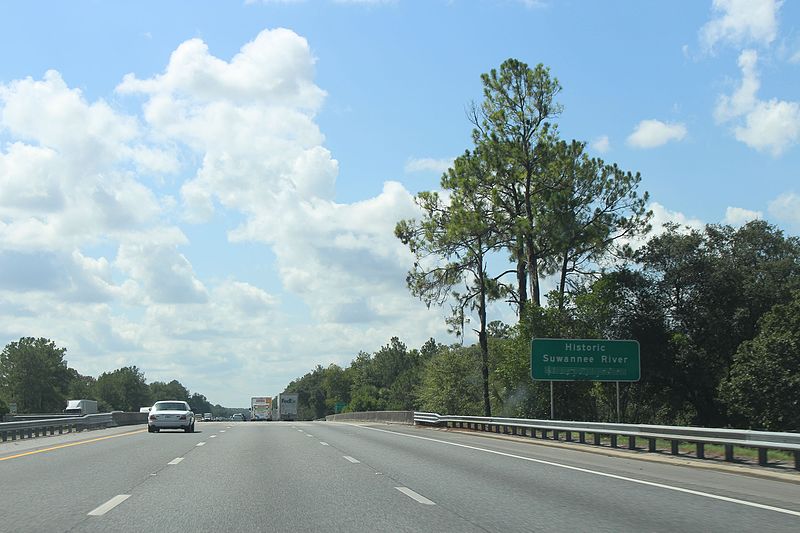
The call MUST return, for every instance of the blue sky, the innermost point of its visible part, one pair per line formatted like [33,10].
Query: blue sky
[207,189]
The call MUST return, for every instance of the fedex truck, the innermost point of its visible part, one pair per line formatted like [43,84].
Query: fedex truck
[260,408]
[285,407]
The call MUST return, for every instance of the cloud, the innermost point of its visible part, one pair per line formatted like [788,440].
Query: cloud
[653,133]
[601,144]
[795,58]
[427,164]
[786,208]
[87,226]
[766,125]
[738,216]
[741,22]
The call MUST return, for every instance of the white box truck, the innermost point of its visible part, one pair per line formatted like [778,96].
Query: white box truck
[81,407]
[287,406]
[260,408]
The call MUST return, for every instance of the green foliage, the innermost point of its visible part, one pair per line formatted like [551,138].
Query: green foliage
[451,382]
[168,391]
[762,390]
[33,374]
[123,389]
[4,409]
[199,403]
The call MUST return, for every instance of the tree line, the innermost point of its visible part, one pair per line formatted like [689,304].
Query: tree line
[714,310]
[34,374]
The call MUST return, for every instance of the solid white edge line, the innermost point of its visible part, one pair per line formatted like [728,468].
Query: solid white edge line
[110,504]
[351,459]
[175,461]
[598,473]
[415,496]
[201,444]
[324,443]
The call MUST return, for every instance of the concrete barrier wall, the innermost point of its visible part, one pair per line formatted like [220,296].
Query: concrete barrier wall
[390,417]
[128,419]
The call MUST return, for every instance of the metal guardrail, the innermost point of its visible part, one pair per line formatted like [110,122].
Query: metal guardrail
[762,441]
[390,417]
[34,428]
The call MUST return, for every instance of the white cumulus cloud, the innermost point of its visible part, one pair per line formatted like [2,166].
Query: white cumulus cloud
[652,133]
[786,208]
[738,216]
[741,22]
[428,164]
[601,144]
[766,125]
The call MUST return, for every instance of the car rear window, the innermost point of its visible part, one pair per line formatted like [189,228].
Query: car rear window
[169,406]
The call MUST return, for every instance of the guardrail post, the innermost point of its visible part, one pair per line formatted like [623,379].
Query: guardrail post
[729,452]
[568,436]
[651,445]
[613,440]
[762,456]
[631,442]
[598,439]
[582,437]
[673,447]
[544,433]
[555,434]
[700,448]
[797,460]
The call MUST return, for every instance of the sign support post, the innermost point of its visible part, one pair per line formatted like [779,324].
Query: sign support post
[552,406]
[617,402]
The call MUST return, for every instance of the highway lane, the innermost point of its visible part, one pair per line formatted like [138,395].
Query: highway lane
[340,477]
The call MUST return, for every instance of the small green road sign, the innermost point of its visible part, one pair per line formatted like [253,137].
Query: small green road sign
[339,407]
[584,360]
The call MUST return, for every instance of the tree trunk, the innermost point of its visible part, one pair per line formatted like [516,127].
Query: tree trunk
[482,339]
[522,278]
[563,282]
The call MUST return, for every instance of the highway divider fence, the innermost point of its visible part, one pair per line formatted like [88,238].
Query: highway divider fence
[572,431]
[37,427]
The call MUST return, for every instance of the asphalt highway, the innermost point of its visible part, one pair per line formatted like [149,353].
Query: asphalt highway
[324,476]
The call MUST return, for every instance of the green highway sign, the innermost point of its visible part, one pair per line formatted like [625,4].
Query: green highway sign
[584,360]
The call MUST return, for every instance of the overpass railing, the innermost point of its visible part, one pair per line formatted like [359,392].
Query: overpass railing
[572,431]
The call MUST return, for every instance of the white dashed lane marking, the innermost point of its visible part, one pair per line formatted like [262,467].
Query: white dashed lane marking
[201,443]
[323,443]
[351,459]
[175,461]
[414,496]
[110,504]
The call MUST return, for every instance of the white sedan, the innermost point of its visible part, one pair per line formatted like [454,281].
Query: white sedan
[171,414]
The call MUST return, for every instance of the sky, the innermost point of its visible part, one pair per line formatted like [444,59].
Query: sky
[208,190]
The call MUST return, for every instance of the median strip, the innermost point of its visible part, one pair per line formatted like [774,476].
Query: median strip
[110,504]
[70,444]
[415,496]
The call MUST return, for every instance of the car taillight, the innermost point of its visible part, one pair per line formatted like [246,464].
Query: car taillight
[152,417]
[183,417]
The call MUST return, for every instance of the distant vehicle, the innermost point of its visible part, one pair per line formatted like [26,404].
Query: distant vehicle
[170,414]
[260,408]
[207,417]
[237,417]
[81,407]
[285,406]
